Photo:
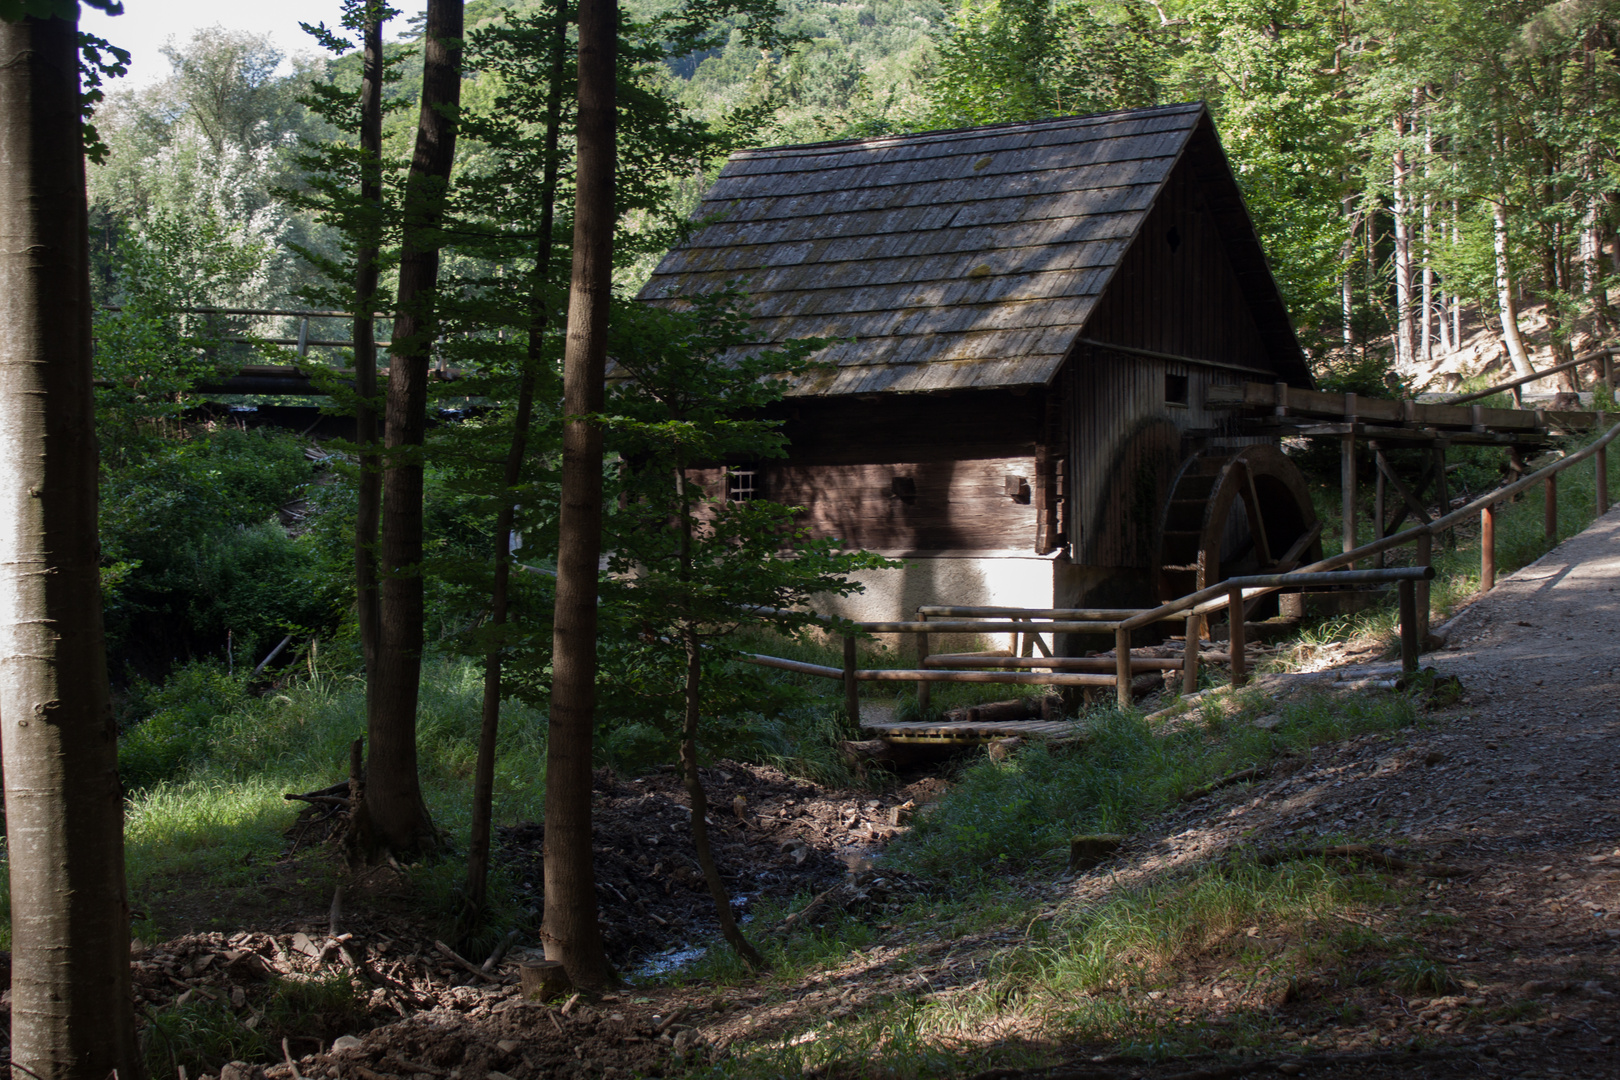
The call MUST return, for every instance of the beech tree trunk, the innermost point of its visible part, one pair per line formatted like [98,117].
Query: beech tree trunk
[484,776]
[71,1013]
[1426,297]
[1506,302]
[369,488]
[1401,209]
[396,815]
[569,929]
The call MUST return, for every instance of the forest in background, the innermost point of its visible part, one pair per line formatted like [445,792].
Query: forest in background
[1404,163]
[1405,166]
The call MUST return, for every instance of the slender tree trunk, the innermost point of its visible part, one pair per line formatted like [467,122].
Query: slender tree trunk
[397,815]
[369,494]
[1426,297]
[1347,300]
[1506,302]
[1403,248]
[71,1017]
[484,777]
[570,930]
[1456,301]
[693,700]
[700,802]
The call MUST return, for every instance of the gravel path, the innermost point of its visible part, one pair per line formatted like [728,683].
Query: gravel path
[1516,786]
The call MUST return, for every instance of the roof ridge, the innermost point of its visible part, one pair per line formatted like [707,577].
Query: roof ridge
[1085,119]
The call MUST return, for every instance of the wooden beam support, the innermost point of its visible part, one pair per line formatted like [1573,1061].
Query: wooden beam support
[1550,509]
[924,690]
[1487,547]
[1189,661]
[1347,488]
[1425,557]
[852,690]
[1409,626]
[1234,636]
[1601,459]
[1122,664]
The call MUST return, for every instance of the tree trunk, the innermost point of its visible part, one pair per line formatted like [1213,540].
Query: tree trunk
[570,931]
[484,777]
[71,1016]
[1426,292]
[1403,248]
[1456,301]
[395,811]
[369,493]
[1347,301]
[700,802]
[1506,303]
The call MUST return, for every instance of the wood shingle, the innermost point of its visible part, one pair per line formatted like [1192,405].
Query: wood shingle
[959,259]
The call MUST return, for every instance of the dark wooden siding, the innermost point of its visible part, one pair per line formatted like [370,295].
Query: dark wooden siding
[952,454]
[1182,299]
[1126,440]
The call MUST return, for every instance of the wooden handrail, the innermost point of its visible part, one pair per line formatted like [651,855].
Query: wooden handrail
[1584,358]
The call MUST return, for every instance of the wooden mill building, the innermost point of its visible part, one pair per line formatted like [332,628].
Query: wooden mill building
[1030,317]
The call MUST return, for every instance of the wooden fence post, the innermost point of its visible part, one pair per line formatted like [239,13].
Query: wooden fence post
[1409,626]
[1550,508]
[924,697]
[1234,635]
[1425,557]
[1189,656]
[852,689]
[1487,547]
[1122,666]
[1602,462]
[1347,488]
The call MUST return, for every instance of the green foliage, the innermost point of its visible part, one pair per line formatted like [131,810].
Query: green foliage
[177,722]
[190,525]
[1030,59]
[691,566]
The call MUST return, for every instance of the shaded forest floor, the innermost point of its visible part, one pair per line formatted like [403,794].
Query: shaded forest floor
[1431,894]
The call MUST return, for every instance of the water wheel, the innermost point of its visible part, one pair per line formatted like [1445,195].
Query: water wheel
[1234,512]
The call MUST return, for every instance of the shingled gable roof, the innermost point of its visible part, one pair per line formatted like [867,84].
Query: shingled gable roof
[958,259]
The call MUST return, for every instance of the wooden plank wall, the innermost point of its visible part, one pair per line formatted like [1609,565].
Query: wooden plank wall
[951,454]
[1126,440]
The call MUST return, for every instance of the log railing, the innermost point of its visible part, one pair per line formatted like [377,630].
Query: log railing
[1412,583]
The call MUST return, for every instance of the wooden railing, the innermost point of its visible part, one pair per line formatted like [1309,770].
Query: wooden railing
[1232,594]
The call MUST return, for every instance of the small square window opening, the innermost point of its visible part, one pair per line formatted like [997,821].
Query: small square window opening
[1175,390]
[742,485]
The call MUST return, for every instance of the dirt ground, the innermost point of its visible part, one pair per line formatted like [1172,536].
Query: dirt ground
[1511,792]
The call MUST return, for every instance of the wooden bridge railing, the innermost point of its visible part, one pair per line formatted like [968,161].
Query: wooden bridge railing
[1412,583]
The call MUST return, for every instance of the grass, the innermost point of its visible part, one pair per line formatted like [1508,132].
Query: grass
[1022,812]
[1130,972]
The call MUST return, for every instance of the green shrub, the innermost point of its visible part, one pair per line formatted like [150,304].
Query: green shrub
[182,720]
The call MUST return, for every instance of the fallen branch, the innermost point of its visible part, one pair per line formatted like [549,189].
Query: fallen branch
[318,800]
[456,958]
[286,1053]
[800,915]
[1238,777]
